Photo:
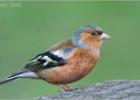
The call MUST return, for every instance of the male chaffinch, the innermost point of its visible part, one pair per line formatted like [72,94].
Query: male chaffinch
[67,61]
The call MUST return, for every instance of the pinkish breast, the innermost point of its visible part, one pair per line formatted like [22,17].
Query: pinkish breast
[79,64]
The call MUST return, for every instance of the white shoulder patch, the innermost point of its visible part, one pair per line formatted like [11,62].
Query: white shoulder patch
[63,53]
[59,53]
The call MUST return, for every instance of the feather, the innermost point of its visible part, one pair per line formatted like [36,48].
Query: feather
[53,57]
[20,74]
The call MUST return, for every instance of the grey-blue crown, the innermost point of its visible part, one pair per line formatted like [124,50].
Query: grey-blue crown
[75,36]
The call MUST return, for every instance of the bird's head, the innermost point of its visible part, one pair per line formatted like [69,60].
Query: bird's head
[89,35]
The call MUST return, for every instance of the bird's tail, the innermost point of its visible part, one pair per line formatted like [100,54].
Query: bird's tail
[17,75]
[8,80]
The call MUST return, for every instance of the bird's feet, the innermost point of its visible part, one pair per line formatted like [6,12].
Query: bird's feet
[71,89]
[67,88]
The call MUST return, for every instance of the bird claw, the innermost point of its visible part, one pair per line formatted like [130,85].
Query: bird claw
[71,89]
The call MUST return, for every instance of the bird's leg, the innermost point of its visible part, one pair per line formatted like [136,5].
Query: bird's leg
[66,87]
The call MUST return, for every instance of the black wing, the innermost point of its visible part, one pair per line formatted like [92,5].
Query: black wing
[45,60]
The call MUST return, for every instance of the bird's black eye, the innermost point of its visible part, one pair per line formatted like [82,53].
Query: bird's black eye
[93,33]
[99,32]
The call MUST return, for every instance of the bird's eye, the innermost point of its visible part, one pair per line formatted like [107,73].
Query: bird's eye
[93,33]
[100,33]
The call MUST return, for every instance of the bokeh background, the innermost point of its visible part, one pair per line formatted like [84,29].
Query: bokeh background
[28,28]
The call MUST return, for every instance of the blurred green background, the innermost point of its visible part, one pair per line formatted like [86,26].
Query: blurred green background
[28,28]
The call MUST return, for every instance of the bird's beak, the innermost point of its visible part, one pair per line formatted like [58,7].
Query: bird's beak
[104,36]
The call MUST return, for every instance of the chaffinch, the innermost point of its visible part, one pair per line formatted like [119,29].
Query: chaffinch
[67,61]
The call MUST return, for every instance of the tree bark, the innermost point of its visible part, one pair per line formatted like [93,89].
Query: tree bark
[108,90]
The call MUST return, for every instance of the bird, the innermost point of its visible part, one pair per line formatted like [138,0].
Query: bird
[67,61]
